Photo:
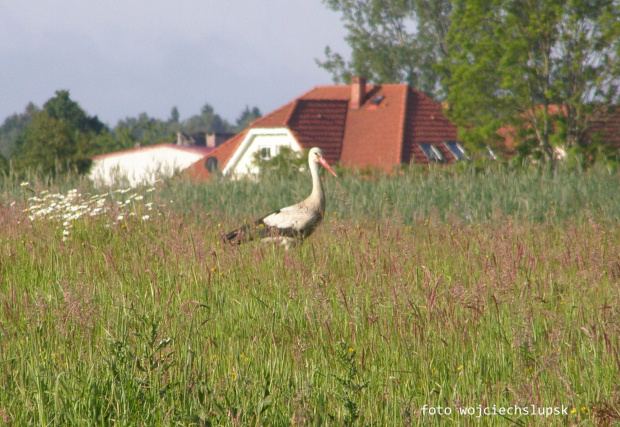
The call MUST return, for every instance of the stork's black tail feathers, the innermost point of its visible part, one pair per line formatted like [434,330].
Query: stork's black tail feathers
[257,230]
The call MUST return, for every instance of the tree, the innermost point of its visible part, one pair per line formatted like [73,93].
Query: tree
[392,41]
[207,121]
[13,126]
[144,130]
[247,116]
[174,115]
[532,63]
[4,165]
[61,107]
[59,137]
[51,146]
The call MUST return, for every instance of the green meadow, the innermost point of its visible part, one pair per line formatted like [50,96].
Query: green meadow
[441,296]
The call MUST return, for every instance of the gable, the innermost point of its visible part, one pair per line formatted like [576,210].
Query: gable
[258,139]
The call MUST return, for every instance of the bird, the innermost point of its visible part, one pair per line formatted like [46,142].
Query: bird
[292,224]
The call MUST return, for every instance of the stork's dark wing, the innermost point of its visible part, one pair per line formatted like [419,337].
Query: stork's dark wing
[259,229]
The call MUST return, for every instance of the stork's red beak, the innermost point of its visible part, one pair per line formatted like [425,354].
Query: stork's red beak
[326,165]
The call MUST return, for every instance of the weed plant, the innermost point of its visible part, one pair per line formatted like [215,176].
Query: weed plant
[440,289]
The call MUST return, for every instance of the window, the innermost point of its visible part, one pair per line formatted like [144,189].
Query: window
[377,99]
[492,155]
[211,164]
[431,152]
[456,149]
[265,153]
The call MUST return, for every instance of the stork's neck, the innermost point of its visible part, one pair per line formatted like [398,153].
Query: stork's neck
[317,197]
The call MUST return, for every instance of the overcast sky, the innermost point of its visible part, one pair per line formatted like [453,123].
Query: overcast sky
[120,58]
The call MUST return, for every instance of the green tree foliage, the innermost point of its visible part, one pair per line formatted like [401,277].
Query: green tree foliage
[284,164]
[51,146]
[392,41]
[144,130]
[174,115]
[207,121]
[12,127]
[63,108]
[58,138]
[532,63]
[4,165]
[247,116]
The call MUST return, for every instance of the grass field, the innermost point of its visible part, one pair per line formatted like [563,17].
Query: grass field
[422,295]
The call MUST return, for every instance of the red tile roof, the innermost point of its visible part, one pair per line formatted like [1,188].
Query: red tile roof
[198,150]
[426,123]
[223,153]
[319,123]
[383,132]
[607,126]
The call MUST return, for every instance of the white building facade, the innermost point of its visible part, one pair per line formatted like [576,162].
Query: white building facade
[143,165]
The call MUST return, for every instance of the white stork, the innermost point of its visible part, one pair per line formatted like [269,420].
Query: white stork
[293,223]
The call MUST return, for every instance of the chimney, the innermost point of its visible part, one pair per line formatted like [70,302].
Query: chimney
[358,92]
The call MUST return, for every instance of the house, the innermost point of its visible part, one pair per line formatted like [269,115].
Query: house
[606,127]
[603,126]
[143,164]
[358,125]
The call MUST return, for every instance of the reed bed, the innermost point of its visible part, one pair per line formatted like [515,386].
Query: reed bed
[421,294]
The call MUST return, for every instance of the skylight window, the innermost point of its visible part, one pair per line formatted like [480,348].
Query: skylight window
[377,99]
[456,149]
[431,152]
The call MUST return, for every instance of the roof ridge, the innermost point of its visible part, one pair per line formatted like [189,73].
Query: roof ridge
[198,150]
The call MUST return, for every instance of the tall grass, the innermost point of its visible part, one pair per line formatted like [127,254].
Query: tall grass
[469,196]
[138,321]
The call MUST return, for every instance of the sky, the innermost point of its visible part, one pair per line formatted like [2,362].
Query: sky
[120,58]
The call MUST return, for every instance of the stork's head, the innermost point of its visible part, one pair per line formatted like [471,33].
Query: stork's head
[316,156]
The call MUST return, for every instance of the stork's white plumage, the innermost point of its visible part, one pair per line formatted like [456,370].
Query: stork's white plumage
[294,222]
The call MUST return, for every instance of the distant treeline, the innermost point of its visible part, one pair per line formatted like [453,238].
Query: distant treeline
[61,136]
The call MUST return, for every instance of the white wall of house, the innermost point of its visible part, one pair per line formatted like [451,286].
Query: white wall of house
[141,166]
[267,141]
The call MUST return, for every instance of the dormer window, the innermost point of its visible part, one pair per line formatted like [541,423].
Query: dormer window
[431,152]
[456,149]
